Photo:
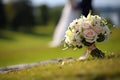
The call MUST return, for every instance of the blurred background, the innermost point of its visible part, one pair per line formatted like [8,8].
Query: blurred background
[15,14]
[27,26]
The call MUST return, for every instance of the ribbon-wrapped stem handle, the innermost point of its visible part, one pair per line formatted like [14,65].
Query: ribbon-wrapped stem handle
[95,52]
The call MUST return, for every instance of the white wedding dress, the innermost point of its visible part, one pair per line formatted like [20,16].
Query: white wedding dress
[68,15]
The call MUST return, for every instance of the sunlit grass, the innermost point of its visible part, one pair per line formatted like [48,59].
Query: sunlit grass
[27,48]
[97,69]
[19,48]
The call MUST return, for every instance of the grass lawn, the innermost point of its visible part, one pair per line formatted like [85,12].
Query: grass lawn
[18,48]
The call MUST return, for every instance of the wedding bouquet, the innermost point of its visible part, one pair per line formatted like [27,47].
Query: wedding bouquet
[85,31]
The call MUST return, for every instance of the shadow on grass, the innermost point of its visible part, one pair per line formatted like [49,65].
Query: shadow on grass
[110,56]
[107,56]
[104,76]
[3,37]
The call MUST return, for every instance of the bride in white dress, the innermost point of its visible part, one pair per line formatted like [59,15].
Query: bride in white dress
[69,13]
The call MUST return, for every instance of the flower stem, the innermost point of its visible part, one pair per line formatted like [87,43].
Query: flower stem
[95,52]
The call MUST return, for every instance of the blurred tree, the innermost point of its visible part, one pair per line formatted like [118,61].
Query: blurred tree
[42,15]
[24,16]
[55,14]
[3,20]
[9,12]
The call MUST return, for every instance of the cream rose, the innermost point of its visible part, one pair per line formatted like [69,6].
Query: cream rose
[88,29]
[106,32]
[90,35]
[98,29]
[86,25]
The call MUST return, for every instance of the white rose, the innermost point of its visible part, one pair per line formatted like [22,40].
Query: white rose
[68,40]
[106,32]
[69,36]
[96,20]
[69,33]
[74,23]
[78,37]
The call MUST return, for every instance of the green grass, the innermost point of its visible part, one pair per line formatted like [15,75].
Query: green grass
[97,69]
[20,48]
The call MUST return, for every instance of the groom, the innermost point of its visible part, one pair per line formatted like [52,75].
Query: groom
[85,6]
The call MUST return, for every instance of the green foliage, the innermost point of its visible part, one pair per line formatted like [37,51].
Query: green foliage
[101,38]
[42,15]
[86,43]
[55,14]
[3,19]
[23,17]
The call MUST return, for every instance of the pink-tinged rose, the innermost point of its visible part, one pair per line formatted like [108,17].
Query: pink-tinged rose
[86,25]
[98,29]
[89,34]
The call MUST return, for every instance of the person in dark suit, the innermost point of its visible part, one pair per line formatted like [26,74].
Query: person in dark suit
[85,6]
